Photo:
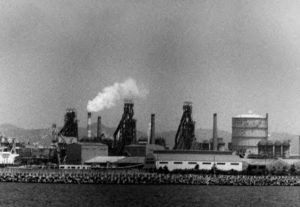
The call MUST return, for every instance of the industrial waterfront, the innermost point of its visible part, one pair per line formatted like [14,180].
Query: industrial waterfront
[149,103]
[251,152]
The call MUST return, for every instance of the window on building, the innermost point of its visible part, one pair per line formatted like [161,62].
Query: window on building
[163,162]
[177,163]
[206,163]
[192,163]
[234,163]
[220,163]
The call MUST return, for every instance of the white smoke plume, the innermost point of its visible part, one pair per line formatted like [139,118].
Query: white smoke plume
[111,94]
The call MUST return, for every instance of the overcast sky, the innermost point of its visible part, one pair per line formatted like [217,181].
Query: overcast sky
[224,56]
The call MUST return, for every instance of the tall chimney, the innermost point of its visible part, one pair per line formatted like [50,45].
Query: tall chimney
[299,146]
[267,122]
[215,133]
[152,130]
[89,123]
[99,127]
[54,132]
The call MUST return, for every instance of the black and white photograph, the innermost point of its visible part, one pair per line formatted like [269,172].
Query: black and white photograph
[149,103]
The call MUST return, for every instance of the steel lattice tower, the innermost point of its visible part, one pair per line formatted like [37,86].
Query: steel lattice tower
[185,136]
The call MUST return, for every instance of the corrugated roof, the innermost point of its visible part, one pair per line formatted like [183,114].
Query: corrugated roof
[206,152]
[104,159]
[249,115]
[198,157]
[131,160]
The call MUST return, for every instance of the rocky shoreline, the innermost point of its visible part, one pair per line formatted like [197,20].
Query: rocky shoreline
[144,178]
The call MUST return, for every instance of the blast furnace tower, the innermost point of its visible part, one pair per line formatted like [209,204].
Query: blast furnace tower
[70,128]
[126,130]
[185,136]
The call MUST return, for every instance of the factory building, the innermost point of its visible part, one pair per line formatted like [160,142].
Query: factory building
[247,131]
[274,149]
[141,149]
[207,145]
[78,153]
[179,159]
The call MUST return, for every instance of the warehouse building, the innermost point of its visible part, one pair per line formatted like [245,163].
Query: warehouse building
[274,149]
[141,150]
[79,153]
[202,160]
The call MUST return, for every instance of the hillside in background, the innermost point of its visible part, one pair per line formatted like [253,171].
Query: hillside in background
[43,136]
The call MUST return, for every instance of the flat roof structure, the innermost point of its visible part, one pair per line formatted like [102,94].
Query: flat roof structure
[210,156]
[208,152]
[131,160]
[104,159]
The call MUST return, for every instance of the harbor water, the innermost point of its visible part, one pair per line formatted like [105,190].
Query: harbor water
[34,194]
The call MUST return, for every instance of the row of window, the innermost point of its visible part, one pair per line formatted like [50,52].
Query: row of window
[74,167]
[195,163]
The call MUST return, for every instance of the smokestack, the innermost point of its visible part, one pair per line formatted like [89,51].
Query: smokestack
[152,130]
[99,127]
[267,121]
[54,132]
[299,146]
[89,123]
[215,133]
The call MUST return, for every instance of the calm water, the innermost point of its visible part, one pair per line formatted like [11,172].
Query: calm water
[18,194]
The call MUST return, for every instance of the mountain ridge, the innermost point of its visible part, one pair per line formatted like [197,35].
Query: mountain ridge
[43,136]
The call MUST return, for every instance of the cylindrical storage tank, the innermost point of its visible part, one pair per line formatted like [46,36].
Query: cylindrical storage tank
[262,145]
[247,131]
[278,146]
[286,148]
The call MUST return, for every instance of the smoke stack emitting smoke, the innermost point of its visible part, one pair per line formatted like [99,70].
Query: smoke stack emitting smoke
[111,94]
